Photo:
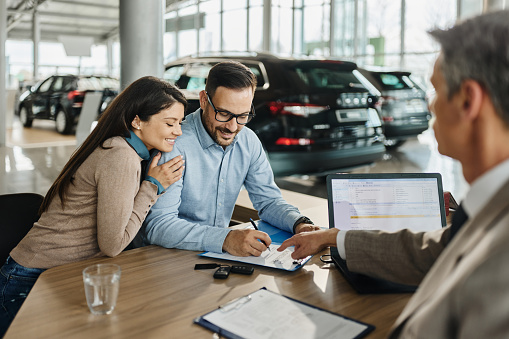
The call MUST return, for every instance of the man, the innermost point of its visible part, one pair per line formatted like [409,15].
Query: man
[221,155]
[464,291]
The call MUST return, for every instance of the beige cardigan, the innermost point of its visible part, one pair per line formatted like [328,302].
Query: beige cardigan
[105,207]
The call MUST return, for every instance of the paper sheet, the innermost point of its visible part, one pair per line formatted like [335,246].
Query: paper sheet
[272,258]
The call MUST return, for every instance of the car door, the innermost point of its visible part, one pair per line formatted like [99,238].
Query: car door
[55,95]
[41,99]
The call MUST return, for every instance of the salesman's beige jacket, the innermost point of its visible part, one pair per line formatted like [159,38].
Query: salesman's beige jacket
[464,292]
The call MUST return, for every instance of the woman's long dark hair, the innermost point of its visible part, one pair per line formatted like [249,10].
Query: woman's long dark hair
[143,98]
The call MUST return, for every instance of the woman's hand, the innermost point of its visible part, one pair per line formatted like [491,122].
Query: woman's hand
[167,173]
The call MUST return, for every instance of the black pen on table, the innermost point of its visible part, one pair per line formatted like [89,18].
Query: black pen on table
[256,228]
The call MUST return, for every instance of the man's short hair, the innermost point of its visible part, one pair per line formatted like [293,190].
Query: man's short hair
[478,49]
[230,74]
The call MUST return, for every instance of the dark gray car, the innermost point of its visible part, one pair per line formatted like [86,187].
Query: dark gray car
[403,105]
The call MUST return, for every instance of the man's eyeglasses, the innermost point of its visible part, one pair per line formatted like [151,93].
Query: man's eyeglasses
[225,116]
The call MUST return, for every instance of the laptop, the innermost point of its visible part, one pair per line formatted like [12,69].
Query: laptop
[383,201]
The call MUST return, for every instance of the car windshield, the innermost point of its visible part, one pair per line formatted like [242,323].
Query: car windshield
[97,83]
[417,83]
[391,81]
[328,78]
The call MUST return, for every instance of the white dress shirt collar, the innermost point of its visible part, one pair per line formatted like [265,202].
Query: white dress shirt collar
[484,188]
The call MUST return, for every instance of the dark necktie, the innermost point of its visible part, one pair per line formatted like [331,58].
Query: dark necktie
[458,220]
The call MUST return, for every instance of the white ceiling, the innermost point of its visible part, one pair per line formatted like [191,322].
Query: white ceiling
[88,18]
[91,18]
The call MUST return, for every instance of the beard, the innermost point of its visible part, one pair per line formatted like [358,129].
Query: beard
[216,136]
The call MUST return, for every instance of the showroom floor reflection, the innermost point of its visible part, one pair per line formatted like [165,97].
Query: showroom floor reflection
[415,156]
[33,169]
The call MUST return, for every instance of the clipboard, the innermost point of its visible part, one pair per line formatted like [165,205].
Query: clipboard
[272,258]
[264,314]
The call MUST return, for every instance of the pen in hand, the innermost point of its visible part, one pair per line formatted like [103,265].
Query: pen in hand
[256,228]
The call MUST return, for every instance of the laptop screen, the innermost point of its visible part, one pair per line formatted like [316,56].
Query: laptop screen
[388,201]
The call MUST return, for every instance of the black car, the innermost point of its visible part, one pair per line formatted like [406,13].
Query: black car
[60,98]
[312,116]
[403,105]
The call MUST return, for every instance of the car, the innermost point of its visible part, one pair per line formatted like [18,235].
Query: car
[403,105]
[60,98]
[313,116]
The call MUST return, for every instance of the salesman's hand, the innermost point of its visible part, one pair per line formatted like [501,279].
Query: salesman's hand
[308,243]
[167,173]
[303,227]
[244,243]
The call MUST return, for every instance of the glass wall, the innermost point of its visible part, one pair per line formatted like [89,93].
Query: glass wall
[349,28]
[372,33]
[282,27]
[53,60]
[210,31]
[377,33]
[234,25]
[255,26]
[316,23]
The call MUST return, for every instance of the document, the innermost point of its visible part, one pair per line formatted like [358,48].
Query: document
[270,257]
[266,314]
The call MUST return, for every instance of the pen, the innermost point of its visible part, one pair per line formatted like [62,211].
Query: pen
[256,228]
[253,223]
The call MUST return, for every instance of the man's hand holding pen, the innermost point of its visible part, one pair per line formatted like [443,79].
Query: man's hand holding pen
[256,228]
[246,242]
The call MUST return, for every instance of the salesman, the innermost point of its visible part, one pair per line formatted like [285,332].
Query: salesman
[464,269]
[221,155]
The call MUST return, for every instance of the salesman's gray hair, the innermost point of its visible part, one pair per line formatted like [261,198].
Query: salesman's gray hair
[478,49]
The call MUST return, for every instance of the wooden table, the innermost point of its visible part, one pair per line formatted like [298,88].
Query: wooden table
[161,294]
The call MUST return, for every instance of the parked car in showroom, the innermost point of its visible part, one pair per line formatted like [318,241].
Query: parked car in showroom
[403,105]
[60,98]
[312,116]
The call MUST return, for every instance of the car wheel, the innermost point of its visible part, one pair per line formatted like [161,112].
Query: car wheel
[24,118]
[63,123]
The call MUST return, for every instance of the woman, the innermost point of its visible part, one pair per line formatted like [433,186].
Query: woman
[97,205]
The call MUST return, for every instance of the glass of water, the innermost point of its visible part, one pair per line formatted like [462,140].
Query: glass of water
[102,283]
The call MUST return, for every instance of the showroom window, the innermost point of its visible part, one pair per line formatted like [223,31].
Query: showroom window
[282,22]
[234,25]
[255,32]
[210,32]
[316,27]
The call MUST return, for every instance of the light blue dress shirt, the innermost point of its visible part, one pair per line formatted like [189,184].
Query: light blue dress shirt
[195,212]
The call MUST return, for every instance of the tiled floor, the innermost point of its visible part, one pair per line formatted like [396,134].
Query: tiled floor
[33,157]
[42,134]
[27,166]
